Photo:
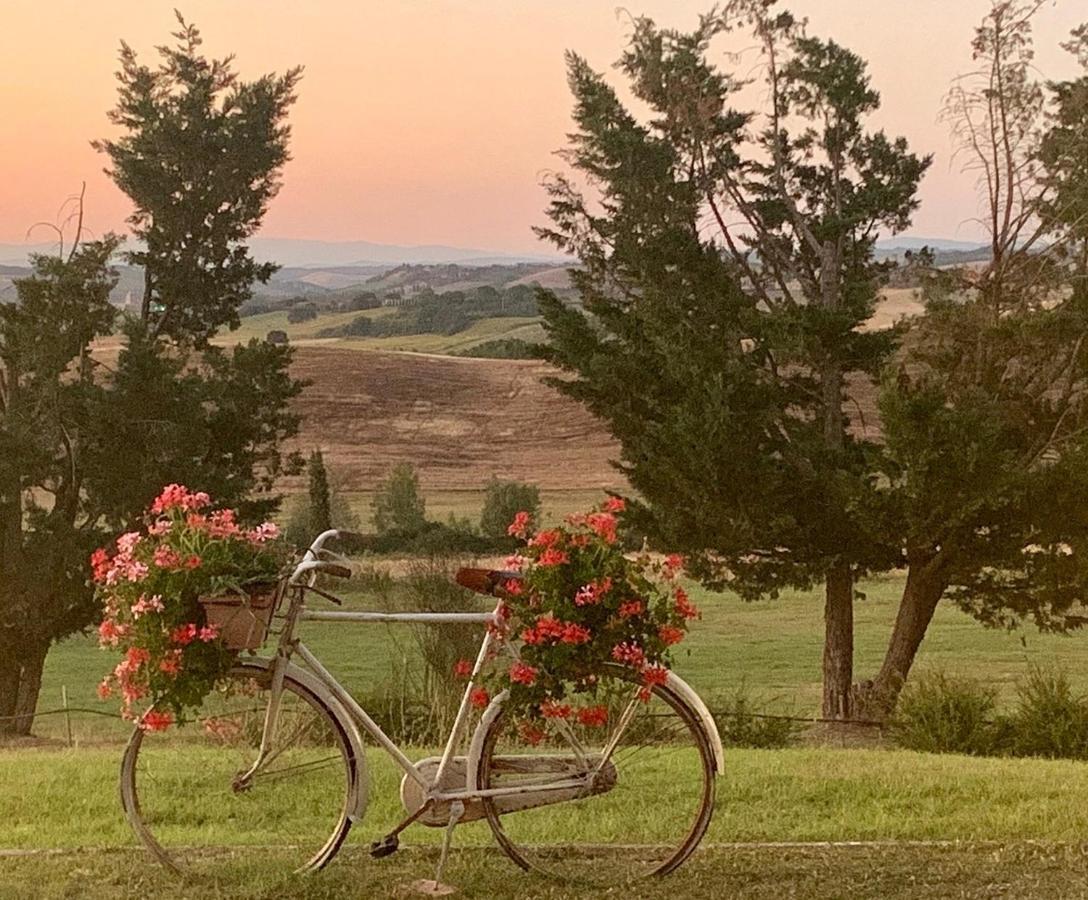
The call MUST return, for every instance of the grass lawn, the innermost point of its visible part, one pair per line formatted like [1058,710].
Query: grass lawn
[961,827]
[888,872]
[1016,826]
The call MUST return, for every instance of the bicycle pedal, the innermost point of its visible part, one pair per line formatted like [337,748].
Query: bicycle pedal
[384,847]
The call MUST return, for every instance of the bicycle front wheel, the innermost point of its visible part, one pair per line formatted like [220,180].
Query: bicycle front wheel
[643,794]
[185,794]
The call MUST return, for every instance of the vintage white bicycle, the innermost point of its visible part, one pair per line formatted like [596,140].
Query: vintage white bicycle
[277,756]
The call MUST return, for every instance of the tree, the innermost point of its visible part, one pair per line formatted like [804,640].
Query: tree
[320,500]
[502,501]
[84,446]
[201,157]
[85,441]
[728,272]
[397,503]
[985,411]
[47,526]
[322,507]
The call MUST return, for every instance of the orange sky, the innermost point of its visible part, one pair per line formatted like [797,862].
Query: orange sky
[429,121]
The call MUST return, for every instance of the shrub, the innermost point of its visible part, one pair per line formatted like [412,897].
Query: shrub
[742,722]
[398,505]
[503,348]
[364,300]
[502,501]
[1050,720]
[304,312]
[939,713]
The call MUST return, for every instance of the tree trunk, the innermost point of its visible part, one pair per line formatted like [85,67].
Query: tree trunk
[30,686]
[838,668]
[923,590]
[9,690]
[20,684]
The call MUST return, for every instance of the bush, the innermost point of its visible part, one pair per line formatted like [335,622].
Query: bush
[364,300]
[503,348]
[304,312]
[398,505]
[938,713]
[742,723]
[1050,720]
[502,501]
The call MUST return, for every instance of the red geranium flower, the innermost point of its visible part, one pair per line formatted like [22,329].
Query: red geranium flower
[522,673]
[684,606]
[479,698]
[521,525]
[670,635]
[462,668]
[152,720]
[592,716]
[553,557]
[550,709]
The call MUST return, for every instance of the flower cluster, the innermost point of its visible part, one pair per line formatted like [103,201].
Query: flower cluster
[149,583]
[580,605]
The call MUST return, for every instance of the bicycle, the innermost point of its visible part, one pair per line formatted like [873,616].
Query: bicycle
[279,749]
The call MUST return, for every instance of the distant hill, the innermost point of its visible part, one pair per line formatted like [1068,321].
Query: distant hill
[321,254]
[908,242]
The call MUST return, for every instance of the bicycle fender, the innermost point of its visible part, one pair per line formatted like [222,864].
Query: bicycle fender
[687,693]
[675,683]
[476,747]
[360,784]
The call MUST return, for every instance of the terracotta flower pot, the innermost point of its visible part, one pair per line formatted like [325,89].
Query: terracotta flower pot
[242,619]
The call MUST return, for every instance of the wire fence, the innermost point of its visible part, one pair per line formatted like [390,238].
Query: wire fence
[68,711]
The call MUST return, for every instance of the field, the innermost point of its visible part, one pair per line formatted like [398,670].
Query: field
[306,333]
[459,421]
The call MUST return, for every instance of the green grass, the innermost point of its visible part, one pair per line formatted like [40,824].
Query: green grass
[815,794]
[986,809]
[259,326]
[889,872]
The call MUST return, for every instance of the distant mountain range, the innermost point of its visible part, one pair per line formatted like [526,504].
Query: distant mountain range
[321,254]
[906,242]
[290,252]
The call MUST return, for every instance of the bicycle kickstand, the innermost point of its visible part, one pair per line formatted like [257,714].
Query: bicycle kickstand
[457,809]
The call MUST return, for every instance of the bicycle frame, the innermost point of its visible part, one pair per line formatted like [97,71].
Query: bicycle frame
[302,581]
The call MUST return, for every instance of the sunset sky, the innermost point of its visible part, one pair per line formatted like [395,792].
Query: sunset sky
[431,121]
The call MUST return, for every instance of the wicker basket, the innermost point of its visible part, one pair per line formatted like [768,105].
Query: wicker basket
[242,619]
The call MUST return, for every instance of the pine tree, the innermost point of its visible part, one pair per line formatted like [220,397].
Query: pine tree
[320,500]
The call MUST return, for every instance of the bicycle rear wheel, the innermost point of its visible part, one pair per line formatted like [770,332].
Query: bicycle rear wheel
[642,813]
[182,792]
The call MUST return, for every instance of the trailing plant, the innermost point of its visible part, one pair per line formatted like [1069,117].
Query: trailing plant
[579,607]
[149,584]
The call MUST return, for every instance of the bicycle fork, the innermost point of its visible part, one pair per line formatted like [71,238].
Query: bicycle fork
[271,720]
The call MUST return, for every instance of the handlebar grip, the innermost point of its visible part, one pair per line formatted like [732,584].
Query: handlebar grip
[335,570]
